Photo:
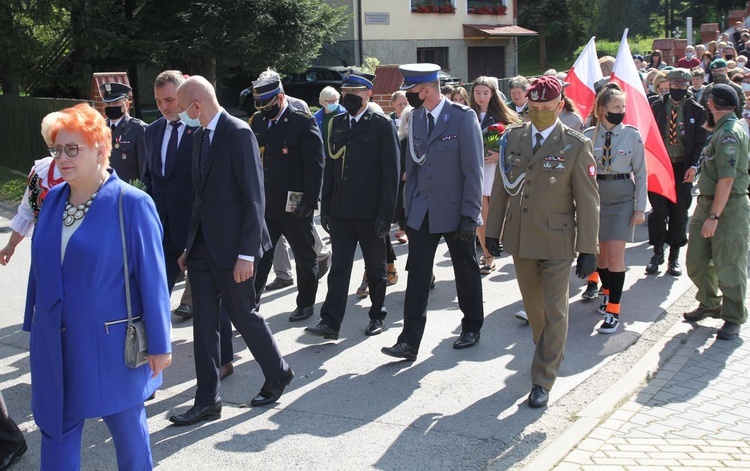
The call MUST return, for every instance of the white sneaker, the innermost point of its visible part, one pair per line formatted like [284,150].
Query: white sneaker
[603,306]
[609,326]
[522,316]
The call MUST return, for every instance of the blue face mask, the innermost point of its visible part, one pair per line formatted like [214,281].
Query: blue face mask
[192,122]
[332,107]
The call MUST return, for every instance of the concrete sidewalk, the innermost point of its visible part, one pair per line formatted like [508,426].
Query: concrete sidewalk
[685,405]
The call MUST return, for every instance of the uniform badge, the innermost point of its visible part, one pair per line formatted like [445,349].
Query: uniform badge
[728,139]
[731,162]
[547,165]
[560,166]
[285,150]
[562,151]
[552,180]
[117,146]
[124,156]
[534,95]
[108,87]
[731,149]
[592,170]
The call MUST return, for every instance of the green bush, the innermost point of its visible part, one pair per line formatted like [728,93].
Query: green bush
[638,45]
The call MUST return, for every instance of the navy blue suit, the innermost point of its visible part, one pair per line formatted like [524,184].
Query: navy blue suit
[227,221]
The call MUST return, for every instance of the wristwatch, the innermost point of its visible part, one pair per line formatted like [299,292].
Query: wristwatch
[713,216]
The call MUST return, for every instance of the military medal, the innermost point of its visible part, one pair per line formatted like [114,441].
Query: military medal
[117,146]
[552,180]
[285,150]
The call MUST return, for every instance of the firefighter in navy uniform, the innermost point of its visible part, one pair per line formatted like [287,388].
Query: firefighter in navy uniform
[128,156]
[291,149]
[360,186]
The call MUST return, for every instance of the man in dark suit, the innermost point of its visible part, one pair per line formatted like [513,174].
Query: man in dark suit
[227,235]
[128,156]
[442,199]
[169,181]
[292,157]
[358,202]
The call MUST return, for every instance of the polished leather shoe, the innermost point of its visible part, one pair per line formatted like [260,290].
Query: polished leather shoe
[375,327]
[322,330]
[226,370]
[401,350]
[184,310]
[197,414]
[272,390]
[466,340]
[278,283]
[674,268]
[301,313]
[538,397]
[728,331]
[653,265]
[8,460]
[324,265]
[700,313]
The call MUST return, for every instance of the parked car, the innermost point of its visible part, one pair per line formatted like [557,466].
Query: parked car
[446,79]
[308,84]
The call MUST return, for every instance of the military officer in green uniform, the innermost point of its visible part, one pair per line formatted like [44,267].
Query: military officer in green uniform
[719,71]
[545,203]
[718,235]
[128,156]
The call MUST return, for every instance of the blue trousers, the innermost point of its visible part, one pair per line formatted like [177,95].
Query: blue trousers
[129,432]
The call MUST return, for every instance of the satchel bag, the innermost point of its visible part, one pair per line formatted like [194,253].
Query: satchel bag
[136,346]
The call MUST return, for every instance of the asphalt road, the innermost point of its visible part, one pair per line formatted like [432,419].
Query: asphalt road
[350,406]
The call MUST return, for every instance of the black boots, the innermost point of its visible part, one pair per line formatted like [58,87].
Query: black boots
[673,265]
[656,260]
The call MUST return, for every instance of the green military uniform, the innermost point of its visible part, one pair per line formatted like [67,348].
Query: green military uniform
[719,263]
[546,205]
[740,94]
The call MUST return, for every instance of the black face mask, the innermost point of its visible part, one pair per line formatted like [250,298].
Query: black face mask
[414,100]
[352,103]
[114,112]
[677,94]
[272,112]
[729,57]
[615,118]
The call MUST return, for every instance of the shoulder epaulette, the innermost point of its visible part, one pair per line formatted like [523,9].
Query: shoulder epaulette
[575,134]
[460,106]
[138,121]
[303,113]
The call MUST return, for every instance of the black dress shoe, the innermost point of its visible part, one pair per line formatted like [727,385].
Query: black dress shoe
[728,331]
[466,340]
[674,268]
[322,330]
[301,313]
[226,370]
[401,350]
[324,265]
[375,327]
[653,265]
[8,460]
[184,310]
[538,397]
[272,391]
[197,414]
[278,283]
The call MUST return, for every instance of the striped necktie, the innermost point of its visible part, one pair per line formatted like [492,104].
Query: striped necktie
[673,127]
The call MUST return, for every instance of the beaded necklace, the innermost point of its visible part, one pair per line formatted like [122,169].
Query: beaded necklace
[71,213]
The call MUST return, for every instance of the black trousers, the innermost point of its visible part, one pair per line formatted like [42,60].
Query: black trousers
[11,437]
[422,248]
[171,254]
[667,222]
[345,234]
[299,234]
[214,286]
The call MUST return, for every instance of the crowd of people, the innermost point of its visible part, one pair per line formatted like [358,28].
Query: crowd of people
[554,188]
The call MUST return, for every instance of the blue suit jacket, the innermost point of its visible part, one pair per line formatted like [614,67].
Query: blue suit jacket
[77,361]
[449,183]
[230,202]
[173,193]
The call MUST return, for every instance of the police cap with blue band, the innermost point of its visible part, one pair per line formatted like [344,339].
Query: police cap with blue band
[113,91]
[267,86]
[357,79]
[415,74]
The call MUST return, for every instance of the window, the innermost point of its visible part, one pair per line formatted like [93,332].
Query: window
[433,55]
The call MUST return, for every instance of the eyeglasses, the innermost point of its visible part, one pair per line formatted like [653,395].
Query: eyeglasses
[681,86]
[71,150]
[261,107]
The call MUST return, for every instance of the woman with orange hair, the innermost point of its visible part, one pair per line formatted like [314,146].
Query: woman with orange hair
[76,308]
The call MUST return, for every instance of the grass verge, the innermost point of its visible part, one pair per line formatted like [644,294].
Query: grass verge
[12,185]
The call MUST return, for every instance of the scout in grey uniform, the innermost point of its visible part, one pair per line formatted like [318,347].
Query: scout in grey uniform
[622,178]
[546,205]
[718,235]
[128,156]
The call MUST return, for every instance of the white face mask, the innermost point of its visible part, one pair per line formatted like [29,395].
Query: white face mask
[741,64]
[192,122]
[651,88]
[689,55]
[745,87]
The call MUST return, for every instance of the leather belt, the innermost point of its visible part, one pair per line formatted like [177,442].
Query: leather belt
[613,176]
[731,195]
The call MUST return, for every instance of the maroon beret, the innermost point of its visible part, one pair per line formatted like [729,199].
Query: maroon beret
[544,88]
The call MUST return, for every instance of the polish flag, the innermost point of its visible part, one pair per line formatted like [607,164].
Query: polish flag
[638,113]
[582,77]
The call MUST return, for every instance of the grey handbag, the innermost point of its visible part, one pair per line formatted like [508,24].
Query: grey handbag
[136,346]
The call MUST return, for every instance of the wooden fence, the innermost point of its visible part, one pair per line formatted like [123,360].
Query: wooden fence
[21,140]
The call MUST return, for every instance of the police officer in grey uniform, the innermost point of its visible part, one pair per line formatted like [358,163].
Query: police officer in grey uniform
[442,200]
[545,202]
[128,156]
[719,229]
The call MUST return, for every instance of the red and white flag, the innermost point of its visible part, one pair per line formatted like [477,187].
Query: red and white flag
[582,77]
[638,113]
